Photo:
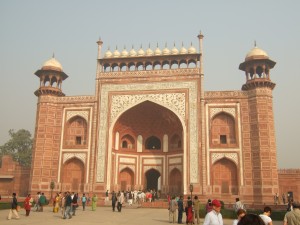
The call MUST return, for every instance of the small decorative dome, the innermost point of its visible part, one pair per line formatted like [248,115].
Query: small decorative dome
[157,50]
[174,50]
[117,53]
[256,53]
[183,50]
[192,49]
[166,51]
[52,64]
[108,54]
[149,51]
[141,52]
[132,52]
[124,52]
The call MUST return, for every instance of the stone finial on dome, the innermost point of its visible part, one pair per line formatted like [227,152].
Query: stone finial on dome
[132,52]
[108,53]
[141,52]
[183,50]
[174,50]
[124,53]
[116,53]
[157,50]
[192,49]
[149,51]
[52,64]
[166,51]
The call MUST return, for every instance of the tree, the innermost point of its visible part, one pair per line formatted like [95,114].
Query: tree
[19,147]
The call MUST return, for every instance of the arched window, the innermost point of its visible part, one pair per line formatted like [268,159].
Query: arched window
[127,142]
[153,143]
[223,132]
[76,133]
[175,142]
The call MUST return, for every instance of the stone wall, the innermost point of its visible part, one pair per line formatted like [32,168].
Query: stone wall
[13,178]
[289,181]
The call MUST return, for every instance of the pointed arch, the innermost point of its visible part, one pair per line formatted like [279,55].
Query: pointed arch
[224,177]
[175,181]
[126,179]
[72,177]
[223,130]
[75,132]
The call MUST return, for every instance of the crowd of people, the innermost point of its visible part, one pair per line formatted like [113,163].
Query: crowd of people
[66,203]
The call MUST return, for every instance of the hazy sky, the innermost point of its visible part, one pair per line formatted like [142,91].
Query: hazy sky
[31,31]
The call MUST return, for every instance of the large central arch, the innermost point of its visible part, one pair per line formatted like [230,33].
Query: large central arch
[143,136]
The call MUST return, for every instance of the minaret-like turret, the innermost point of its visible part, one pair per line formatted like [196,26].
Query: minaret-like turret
[261,147]
[257,66]
[51,77]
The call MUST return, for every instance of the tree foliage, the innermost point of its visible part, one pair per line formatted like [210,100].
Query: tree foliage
[19,147]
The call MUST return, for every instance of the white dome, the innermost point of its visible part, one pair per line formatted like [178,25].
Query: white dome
[108,54]
[157,51]
[174,50]
[149,52]
[141,52]
[132,52]
[52,64]
[183,50]
[191,49]
[166,51]
[117,53]
[124,53]
[256,53]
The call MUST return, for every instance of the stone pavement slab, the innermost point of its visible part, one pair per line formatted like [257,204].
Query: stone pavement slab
[102,215]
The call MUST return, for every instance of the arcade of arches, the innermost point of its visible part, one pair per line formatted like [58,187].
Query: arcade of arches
[149,135]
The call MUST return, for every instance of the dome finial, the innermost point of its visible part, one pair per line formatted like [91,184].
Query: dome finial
[254,43]
[53,56]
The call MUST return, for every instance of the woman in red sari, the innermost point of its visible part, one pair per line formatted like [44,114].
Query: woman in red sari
[27,204]
[189,211]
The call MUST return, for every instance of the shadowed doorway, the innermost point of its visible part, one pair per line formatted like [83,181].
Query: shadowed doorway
[152,176]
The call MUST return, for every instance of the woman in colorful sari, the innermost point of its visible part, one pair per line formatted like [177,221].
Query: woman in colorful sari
[94,202]
[56,203]
[27,204]
[189,211]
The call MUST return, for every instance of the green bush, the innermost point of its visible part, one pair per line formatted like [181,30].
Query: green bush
[7,205]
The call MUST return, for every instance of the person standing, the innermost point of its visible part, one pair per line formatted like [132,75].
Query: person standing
[189,211]
[27,204]
[68,203]
[106,197]
[293,217]
[113,200]
[83,201]
[240,214]
[94,202]
[180,209]
[283,198]
[14,205]
[196,204]
[172,210]
[208,206]
[214,217]
[74,203]
[42,202]
[120,201]
[56,203]
[238,205]
[266,216]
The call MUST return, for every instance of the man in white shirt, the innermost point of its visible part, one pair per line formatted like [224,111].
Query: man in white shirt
[266,216]
[214,217]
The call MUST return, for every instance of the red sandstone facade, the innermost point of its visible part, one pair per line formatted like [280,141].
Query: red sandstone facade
[152,125]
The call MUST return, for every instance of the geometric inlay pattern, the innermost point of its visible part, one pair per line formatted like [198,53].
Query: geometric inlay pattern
[158,168]
[120,103]
[174,101]
[132,167]
[216,156]
[83,114]
[80,156]
[214,111]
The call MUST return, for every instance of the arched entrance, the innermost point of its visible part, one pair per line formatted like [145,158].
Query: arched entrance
[73,175]
[126,179]
[224,177]
[151,181]
[175,181]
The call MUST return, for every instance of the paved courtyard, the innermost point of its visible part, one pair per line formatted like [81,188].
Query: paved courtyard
[102,215]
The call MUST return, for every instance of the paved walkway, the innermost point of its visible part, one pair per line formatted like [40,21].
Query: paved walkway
[102,215]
